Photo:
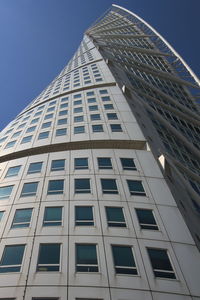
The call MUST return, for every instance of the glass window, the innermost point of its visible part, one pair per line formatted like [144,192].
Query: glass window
[84,216]
[49,116]
[52,102]
[55,187]
[81,163]
[128,164]
[64,105]
[116,127]
[62,131]
[82,186]
[102,92]
[1,215]
[77,96]
[160,263]
[109,186]
[46,125]
[146,219]
[78,102]
[108,106]
[78,119]
[90,93]
[13,171]
[16,134]
[26,139]
[12,258]
[115,217]
[58,165]
[30,129]
[97,128]
[86,258]
[63,112]
[95,117]
[112,116]
[34,121]
[105,98]
[123,260]
[35,115]
[5,191]
[93,107]
[91,100]
[79,129]
[136,188]
[64,99]
[49,258]
[35,167]
[62,121]
[43,135]
[51,109]
[29,189]
[104,163]
[52,216]
[10,144]
[22,125]
[78,109]
[22,218]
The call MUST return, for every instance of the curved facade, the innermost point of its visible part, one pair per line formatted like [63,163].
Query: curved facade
[87,210]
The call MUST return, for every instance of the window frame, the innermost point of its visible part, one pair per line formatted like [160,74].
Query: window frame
[92,268]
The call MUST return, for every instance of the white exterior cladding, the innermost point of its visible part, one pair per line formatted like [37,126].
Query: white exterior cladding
[88,85]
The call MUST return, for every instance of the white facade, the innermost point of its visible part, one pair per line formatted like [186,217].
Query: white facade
[115,264]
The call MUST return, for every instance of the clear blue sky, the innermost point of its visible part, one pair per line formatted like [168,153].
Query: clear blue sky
[38,37]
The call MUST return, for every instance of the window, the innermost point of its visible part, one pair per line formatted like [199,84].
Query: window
[105,98]
[78,119]
[116,127]
[62,131]
[82,186]
[62,121]
[30,129]
[79,129]
[136,188]
[112,116]
[115,217]
[104,162]
[64,105]
[43,135]
[109,186]
[46,125]
[55,187]
[160,263]
[33,121]
[78,102]
[26,139]
[52,216]
[81,163]
[29,189]
[78,109]
[1,215]
[5,191]
[35,167]
[22,125]
[13,171]
[146,219]
[63,112]
[90,93]
[97,128]
[128,164]
[49,116]
[84,216]
[51,109]
[58,165]
[16,134]
[108,106]
[12,258]
[93,107]
[86,258]
[49,258]
[22,218]
[10,144]
[91,100]
[64,99]
[102,92]
[52,103]
[77,96]
[95,117]
[123,260]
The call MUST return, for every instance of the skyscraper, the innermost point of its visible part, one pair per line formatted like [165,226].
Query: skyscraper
[99,175]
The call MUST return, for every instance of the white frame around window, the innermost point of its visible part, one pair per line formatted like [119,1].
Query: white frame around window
[87,265]
[125,267]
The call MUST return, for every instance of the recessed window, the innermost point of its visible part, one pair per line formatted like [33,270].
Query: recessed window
[93,107]
[62,131]
[104,163]
[146,219]
[78,119]
[95,117]
[128,164]
[46,125]
[116,127]
[52,102]
[35,167]
[26,139]
[12,258]
[62,121]
[78,102]
[13,171]
[52,216]
[10,144]
[64,99]
[22,218]
[35,115]
[84,216]
[22,125]
[29,189]
[49,258]
[58,165]
[136,188]
[91,100]
[51,109]
[124,262]
[78,109]
[43,135]
[86,258]
[33,121]
[109,186]
[16,134]
[82,186]
[81,163]
[97,128]
[115,217]
[31,129]
[1,215]
[77,96]
[102,92]
[90,93]
[63,112]
[161,264]
[79,129]
[105,98]
[55,187]
[5,191]
[112,116]
[108,106]
[49,116]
